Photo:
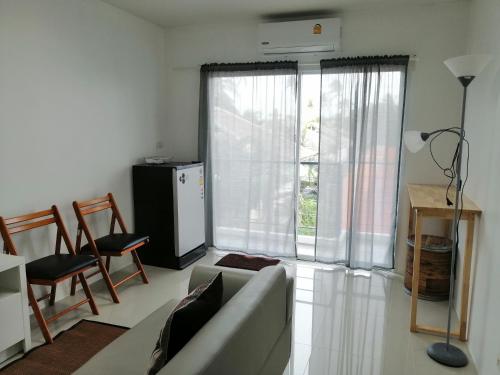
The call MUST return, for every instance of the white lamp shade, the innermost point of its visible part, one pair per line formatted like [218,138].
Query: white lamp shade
[413,140]
[468,65]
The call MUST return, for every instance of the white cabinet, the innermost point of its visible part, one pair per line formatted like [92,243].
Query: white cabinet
[15,333]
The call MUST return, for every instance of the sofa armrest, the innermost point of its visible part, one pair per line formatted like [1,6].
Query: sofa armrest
[290,298]
[130,354]
[233,279]
[241,335]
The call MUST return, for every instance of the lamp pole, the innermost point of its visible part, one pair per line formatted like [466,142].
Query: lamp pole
[448,354]
[456,218]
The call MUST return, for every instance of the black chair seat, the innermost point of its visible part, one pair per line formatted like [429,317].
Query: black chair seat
[53,267]
[115,242]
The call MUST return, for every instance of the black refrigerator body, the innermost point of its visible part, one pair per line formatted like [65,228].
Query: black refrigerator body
[169,207]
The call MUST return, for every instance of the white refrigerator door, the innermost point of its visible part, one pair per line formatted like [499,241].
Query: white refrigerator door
[189,209]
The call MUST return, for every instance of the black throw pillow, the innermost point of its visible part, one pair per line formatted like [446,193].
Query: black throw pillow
[185,320]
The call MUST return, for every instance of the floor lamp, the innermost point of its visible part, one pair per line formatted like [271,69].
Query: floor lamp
[465,68]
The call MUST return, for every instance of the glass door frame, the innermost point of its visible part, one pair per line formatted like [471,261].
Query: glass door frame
[304,69]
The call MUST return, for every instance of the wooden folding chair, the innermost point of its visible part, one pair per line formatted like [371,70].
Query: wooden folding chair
[52,269]
[112,245]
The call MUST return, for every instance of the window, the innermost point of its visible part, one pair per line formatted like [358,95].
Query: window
[308,149]
[305,163]
[361,126]
[252,117]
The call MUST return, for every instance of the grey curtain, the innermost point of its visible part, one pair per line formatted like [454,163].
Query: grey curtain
[362,110]
[204,151]
[247,130]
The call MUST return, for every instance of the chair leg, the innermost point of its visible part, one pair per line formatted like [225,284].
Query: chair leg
[73,285]
[38,315]
[88,293]
[138,263]
[108,263]
[52,295]
[107,280]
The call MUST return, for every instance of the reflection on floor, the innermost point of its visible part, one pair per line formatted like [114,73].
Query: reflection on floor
[356,323]
[345,322]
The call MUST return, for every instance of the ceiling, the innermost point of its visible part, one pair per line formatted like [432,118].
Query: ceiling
[170,13]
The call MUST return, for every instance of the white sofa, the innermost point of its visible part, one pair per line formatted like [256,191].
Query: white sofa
[250,334]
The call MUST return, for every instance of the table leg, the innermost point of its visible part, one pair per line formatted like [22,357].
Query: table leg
[464,308]
[411,224]
[416,271]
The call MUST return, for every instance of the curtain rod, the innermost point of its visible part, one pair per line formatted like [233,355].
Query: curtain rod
[413,58]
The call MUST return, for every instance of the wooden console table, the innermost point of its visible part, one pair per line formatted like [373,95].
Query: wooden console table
[429,201]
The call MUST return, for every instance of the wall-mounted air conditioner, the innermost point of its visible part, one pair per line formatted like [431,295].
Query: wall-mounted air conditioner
[317,35]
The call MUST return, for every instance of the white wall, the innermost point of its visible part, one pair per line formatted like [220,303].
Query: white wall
[80,102]
[432,32]
[483,132]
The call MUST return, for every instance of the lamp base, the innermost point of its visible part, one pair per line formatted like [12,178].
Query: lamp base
[447,355]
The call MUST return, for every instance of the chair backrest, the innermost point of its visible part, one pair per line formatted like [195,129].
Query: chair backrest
[18,224]
[92,206]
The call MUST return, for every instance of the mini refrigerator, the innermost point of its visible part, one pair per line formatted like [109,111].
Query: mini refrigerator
[169,206]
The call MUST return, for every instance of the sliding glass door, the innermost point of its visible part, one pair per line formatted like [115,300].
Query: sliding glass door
[304,164]
[362,106]
[252,157]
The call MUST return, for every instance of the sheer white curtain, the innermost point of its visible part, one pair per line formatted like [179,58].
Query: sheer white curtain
[251,132]
[362,105]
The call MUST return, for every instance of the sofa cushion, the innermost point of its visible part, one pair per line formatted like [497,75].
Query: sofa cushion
[185,320]
[234,279]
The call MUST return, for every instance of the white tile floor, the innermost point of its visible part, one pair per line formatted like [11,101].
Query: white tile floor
[345,322]
[356,323]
